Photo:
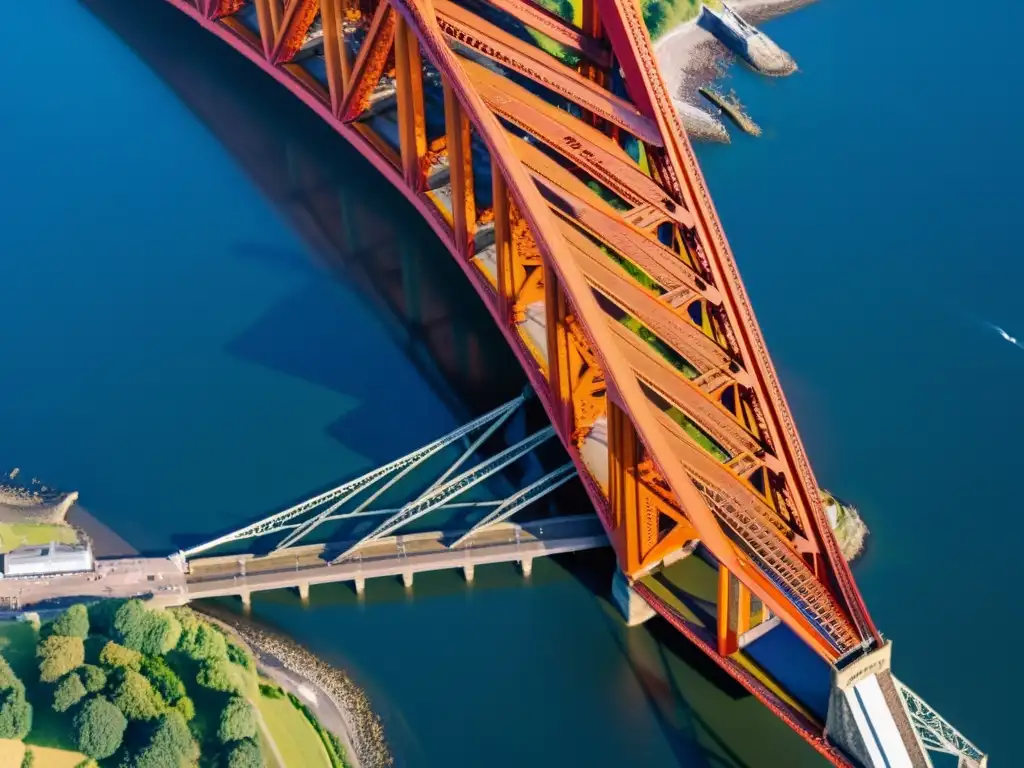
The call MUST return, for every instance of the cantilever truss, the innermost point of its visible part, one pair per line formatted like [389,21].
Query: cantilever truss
[937,734]
[546,153]
[299,521]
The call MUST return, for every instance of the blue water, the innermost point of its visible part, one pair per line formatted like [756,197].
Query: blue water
[182,350]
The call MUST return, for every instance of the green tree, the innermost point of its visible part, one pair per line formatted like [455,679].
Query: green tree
[151,632]
[237,721]
[221,676]
[15,711]
[29,758]
[655,15]
[241,657]
[114,656]
[186,708]
[93,678]
[101,616]
[163,678]
[135,697]
[59,655]
[246,754]
[170,746]
[68,692]
[74,622]
[199,639]
[99,728]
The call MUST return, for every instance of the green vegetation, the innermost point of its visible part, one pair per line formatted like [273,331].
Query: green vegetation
[99,728]
[74,622]
[121,685]
[676,360]
[14,535]
[332,744]
[59,655]
[295,738]
[699,436]
[68,692]
[15,711]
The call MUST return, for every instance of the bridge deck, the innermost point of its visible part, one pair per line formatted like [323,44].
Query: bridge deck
[394,556]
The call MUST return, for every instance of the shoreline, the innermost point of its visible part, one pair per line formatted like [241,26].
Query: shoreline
[690,57]
[292,666]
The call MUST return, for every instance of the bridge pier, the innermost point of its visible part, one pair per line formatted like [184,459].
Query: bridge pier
[866,716]
[304,592]
[526,565]
[634,608]
[360,584]
[246,599]
[407,579]
[467,571]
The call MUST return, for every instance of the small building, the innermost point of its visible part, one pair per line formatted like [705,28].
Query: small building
[47,560]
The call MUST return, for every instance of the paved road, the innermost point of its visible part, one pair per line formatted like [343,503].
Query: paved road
[396,556]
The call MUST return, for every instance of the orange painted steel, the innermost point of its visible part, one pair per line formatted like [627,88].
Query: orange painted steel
[609,275]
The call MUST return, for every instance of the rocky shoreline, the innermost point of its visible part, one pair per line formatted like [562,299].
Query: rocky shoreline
[365,733]
[33,503]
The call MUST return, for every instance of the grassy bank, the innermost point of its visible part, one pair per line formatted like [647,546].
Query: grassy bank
[14,535]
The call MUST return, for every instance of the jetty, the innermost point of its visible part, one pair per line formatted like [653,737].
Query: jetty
[730,105]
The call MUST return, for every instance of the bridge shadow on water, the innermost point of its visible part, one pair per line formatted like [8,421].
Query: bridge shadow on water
[370,240]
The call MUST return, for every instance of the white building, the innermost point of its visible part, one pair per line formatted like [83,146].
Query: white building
[48,559]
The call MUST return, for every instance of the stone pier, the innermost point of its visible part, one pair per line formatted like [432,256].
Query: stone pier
[304,592]
[360,586]
[407,579]
[526,564]
[634,608]
[467,571]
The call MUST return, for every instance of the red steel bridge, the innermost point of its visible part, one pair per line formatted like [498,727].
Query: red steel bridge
[545,152]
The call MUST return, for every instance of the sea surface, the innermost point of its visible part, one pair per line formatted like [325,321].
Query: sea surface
[212,308]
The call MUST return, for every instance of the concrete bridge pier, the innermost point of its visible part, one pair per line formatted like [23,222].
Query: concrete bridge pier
[634,608]
[467,571]
[407,579]
[360,584]
[304,592]
[246,599]
[526,564]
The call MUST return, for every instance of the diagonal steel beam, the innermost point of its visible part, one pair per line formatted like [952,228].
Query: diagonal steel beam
[521,499]
[439,496]
[370,63]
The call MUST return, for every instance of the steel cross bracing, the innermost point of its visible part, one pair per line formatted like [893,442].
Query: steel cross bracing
[326,507]
[547,155]
[936,733]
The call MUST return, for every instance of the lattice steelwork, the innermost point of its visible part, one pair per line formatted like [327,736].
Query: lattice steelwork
[937,734]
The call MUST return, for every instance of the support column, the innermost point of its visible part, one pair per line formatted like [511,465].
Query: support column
[360,584]
[304,592]
[336,55]
[407,579]
[556,308]
[526,564]
[460,169]
[623,456]
[502,245]
[727,637]
[246,598]
[412,126]
[634,608]
[467,571]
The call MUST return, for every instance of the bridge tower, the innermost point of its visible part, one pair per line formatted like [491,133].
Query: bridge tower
[540,143]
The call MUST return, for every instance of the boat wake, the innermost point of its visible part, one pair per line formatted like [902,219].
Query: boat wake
[1005,335]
